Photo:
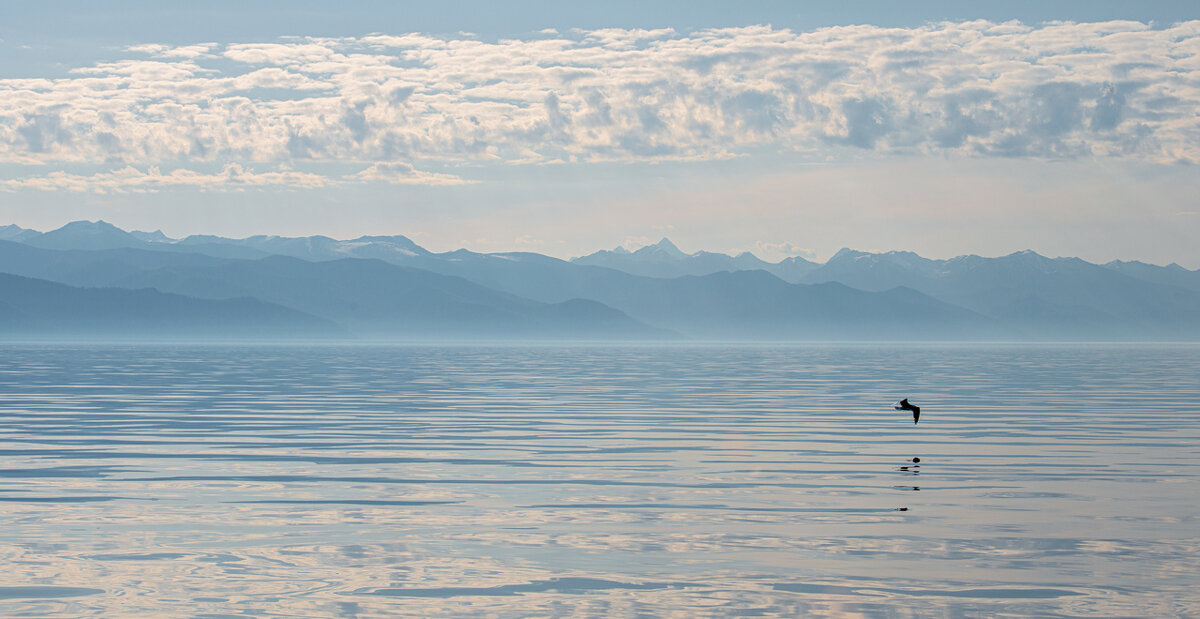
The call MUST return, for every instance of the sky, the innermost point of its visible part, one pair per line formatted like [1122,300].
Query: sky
[1071,128]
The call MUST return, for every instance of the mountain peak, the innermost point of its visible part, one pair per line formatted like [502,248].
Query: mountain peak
[13,232]
[86,235]
[846,253]
[663,248]
[154,237]
[1027,254]
[84,225]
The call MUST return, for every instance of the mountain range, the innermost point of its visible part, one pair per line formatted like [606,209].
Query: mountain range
[664,259]
[391,288]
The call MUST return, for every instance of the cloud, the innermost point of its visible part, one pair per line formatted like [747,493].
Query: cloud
[526,241]
[774,252]
[43,132]
[404,174]
[233,176]
[279,53]
[133,180]
[974,89]
[198,50]
[634,243]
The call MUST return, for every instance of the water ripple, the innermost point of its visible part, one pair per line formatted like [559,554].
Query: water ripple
[373,481]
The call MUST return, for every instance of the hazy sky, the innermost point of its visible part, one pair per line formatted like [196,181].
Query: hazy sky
[784,128]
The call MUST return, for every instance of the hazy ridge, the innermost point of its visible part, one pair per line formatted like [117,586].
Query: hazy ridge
[390,287]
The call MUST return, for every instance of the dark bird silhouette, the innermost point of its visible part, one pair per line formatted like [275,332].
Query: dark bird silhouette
[903,405]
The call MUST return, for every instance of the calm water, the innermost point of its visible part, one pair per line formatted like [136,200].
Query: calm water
[581,481]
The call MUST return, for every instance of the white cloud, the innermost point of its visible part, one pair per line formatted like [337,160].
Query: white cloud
[774,252]
[278,53]
[133,180]
[1059,91]
[199,50]
[147,48]
[404,174]
[525,242]
[233,176]
[634,243]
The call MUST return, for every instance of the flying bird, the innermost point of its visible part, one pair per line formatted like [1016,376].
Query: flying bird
[903,405]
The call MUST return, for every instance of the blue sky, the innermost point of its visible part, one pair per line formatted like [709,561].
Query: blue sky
[1070,128]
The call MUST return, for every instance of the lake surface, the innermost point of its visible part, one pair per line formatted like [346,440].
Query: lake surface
[230,481]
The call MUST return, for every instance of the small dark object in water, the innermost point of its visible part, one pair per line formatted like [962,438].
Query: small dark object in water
[901,509]
[916,460]
[903,405]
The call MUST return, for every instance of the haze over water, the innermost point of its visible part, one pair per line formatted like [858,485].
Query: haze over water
[597,481]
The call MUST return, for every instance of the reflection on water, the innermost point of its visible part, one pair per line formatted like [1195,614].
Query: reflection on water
[586,481]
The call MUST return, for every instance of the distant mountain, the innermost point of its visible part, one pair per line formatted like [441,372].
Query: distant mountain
[151,237]
[868,271]
[35,307]
[86,235]
[92,268]
[1032,296]
[725,305]
[16,233]
[316,248]
[903,295]
[792,269]
[664,259]
[370,296]
[1171,275]
[756,305]
[1043,297]
[103,235]
[529,275]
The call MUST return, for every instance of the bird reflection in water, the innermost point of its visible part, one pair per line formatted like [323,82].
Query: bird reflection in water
[909,469]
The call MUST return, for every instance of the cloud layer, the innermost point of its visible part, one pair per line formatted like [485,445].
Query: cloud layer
[397,104]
